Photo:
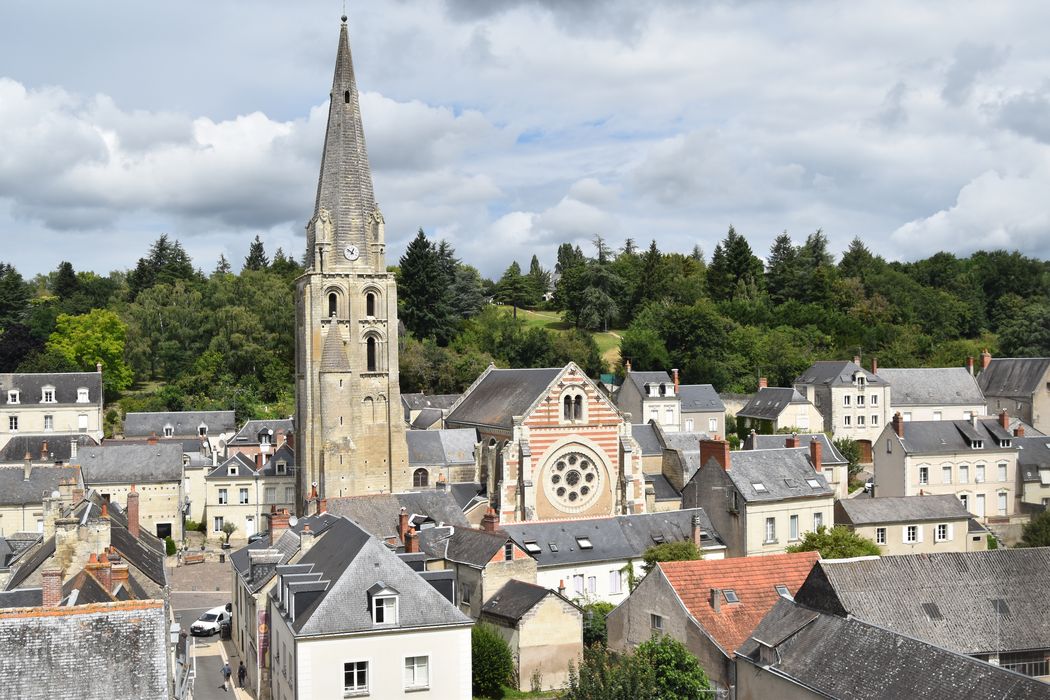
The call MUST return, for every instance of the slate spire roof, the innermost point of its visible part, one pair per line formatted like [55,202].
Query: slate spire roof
[333,356]
[344,187]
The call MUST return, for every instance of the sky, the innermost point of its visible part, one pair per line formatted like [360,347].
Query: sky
[509,127]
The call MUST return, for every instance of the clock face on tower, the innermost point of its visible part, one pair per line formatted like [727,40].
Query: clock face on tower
[351,252]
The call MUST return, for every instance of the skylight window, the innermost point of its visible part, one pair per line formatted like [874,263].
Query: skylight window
[932,611]
[783,591]
[658,538]
[760,487]
[532,548]
[731,596]
[584,542]
[813,483]
[553,546]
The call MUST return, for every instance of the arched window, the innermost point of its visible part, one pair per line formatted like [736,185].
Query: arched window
[346,97]
[577,408]
[333,304]
[371,345]
[420,477]
[370,304]
[370,409]
[567,412]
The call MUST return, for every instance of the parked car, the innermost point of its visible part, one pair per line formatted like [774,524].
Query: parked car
[210,622]
[258,536]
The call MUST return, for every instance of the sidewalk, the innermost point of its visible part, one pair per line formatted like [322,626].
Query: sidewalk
[210,658]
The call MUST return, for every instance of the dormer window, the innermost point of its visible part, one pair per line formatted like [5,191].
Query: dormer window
[232,471]
[82,395]
[168,431]
[264,437]
[282,468]
[13,396]
[384,604]
[47,395]
[202,430]
[861,381]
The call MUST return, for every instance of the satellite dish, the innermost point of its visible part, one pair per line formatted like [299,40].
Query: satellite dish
[293,521]
[56,494]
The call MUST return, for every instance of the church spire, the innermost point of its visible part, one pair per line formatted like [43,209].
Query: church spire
[344,187]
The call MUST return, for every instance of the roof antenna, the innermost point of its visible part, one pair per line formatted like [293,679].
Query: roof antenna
[344,12]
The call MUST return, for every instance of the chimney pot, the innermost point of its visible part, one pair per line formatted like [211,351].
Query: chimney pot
[627,367]
[696,530]
[674,373]
[716,449]
[1019,431]
[792,441]
[763,382]
[1004,419]
[874,365]
[986,359]
[278,524]
[43,451]
[412,542]
[402,523]
[856,359]
[490,523]
[98,367]
[52,587]
[152,439]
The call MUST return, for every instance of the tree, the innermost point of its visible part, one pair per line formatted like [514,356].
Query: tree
[228,529]
[65,283]
[98,336]
[256,258]
[167,262]
[782,269]
[223,266]
[466,294]
[733,266]
[17,343]
[608,675]
[684,550]
[1036,533]
[1027,334]
[14,296]
[849,449]
[594,624]
[839,542]
[513,289]
[423,291]
[539,281]
[491,661]
[677,672]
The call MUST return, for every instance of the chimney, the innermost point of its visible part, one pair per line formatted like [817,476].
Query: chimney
[104,574]
[856,359]
[258,461]
[52,587]
[762,382]
[98,367]
[1019,431]
[306,539]
[561,586]
[119,575]
[44,455]
[442,484]
[898,424]
[278,524]
[969,365]
[290,439]
[874,365]
[322,505]
[27,466]
[412,542]
[816,449]
[792,440]
[133,512]
[674,373]
[627,367]
[105,512]
[696,531]
[402,523]
[986,359]
[490,523]
[78,493]
[152,439]
[717,449]
[281,437]
[716,599]
[1004,420]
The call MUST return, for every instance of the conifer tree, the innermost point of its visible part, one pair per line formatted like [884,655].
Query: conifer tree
[256,259]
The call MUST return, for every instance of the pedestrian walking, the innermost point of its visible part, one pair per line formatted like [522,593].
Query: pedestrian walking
[242,673]
[226,673]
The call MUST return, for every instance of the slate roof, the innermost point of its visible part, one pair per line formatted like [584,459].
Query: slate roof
[16,490]
[136,464]
[945,598]
[836,373]
[940,386]
[784,473]
[282,551]
[466,493]
[245,467]
[1033,455]
[640,379]
[1013,376]
[441,447]
[770,402]
[851,659]
[648,441]
[932,436]
[378,514]
[333,353]
[753,579]
[613,538]
[22,598]
[249,432]
[31,387]
[417,402]
[700,398]
[516,598]
[500,394]
[88,590]
[350,562]
[662,487]
[30,560]
[463,545]
[143,557]
[426,418]
[182,423]
[829,454]
[59,447]
[12,546]
[870,511]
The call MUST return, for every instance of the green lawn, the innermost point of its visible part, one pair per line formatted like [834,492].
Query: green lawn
[608,341]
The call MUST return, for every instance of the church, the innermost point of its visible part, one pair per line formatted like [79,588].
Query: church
[550,443]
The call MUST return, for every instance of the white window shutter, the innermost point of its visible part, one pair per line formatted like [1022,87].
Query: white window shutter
[951,534]
[920,528]
[904,534]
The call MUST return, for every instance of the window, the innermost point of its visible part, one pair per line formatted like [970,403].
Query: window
[759,487]
[818,520]
[532,548]
[370,304]
[861,380]
[656,623]
[880,535]
[911,533]
[371,354]
[771,530]
[577,583]
[936,415]
[907,416]
[964,473]
[384,610]
[1002,471]
[333,304]
[979,474]
[242,497]
[202,431]
[577,408]
[82,395]
[223,497]
[874,419]
[282,468]
[793,529]
[420,477]
[49,422]
[417,672]
[874,400]
[1002,502]
[846,400]
[47,395]
[942,532]
[860,420]
[355,678]
[924,475]
[346,96]
[847,421]
[814,484]
[731,596]
[168,431]
[688,425]
[654,414]
[669,416]
[783,591]
[712,425]
[592,584]
[615,587]
[965,500]
[270,494]
[13,396]
[566,413]
[218,523]
[465,592]
[860,400]
[584,542]
[946,474]
[232,471]
[508,551]
[979,508]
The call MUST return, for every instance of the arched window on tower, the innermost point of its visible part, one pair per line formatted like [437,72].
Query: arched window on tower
[370,409]
[567,411]
[333,304]
[346,97]
[371,350]
[370,304]
[577,408]
[420,478]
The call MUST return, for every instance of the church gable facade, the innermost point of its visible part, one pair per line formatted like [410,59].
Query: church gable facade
[553,445]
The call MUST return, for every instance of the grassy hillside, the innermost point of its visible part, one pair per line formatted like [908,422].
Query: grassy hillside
[608,341]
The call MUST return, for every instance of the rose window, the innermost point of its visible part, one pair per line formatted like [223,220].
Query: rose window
[573,481]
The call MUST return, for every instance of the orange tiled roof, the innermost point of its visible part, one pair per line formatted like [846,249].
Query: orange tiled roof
[81,609]
[752,578]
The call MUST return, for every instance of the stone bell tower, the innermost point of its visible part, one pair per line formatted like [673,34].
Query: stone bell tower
[351,436]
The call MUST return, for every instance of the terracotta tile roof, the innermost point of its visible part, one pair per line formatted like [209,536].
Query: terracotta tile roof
[754,579]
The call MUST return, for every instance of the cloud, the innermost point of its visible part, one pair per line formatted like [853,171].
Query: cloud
[969,63]
[1027,114]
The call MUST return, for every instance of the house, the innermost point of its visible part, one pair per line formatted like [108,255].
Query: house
[651,396]
[702,409]
[351,618]
[239,491]
[855,403]
[482,560]
[552,445]
[800,654]
[23,490]
[773,409]
[382,515]
[597,559]
[934,393]
[1019,385]
[543,628]
[710,606]
[761,501]
[424,412]
[1033,468]
[988,605]
[449,456]
[973,460]
[913,524]
[60,403]
[834,466]
[46,449]
[114,470]
[261,437]
[216,427]
[668,460]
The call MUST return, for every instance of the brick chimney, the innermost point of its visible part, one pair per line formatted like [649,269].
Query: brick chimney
[102,571]
[322,505]
[762,382]
[1004,419]
[696,530]
[278,524]
[402,523]
[1019,431]
[44,454]
[969,364]
[986,359]
[52,585]
[717,449]
[898,424]
[133,512]
[412,542]
[490,523]
[792,440]
[119,574]
[874,365]
[281,437]
[442,483]
[674,373]
[716,599]
[152,439]
[816,450]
